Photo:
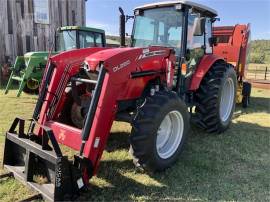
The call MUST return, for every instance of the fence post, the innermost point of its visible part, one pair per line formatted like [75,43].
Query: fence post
[256,73]
[265,73]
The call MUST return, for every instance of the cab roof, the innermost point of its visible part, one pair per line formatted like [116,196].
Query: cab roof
[89,29]
[199,7]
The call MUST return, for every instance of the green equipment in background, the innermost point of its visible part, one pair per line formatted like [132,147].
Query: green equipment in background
[28,69]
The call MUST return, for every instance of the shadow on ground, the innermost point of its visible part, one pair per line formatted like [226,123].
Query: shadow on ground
[212,167]
[230,166]
[12,87]
[257,104]
[117,140]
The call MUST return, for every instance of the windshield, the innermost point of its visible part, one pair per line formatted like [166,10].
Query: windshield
[67,40]
[158,27]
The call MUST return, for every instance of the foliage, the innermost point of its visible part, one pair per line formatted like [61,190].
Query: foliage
[117,38]
[259,52]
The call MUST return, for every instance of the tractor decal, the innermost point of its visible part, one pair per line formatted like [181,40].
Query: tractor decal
[151,54]
[121,66]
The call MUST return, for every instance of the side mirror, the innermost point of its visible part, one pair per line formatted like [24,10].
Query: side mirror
[212,41]
[199,26]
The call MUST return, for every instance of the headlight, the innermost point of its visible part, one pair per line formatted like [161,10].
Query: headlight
[87,70]
[86,66]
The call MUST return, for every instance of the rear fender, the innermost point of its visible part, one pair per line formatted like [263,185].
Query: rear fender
[205,64]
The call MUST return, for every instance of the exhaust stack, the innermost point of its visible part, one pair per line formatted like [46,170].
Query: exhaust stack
[122,27]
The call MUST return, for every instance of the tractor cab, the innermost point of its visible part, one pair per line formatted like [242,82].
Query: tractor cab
[184,26]
[75,37]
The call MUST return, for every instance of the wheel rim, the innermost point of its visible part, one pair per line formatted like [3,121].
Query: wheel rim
[227,100]
[170,134]
[32,84]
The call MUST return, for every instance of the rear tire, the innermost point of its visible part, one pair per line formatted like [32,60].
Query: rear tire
[216,98]
[71,113]
[159,131]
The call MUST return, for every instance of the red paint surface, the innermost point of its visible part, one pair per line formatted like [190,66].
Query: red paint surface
[117,86]
[234,51]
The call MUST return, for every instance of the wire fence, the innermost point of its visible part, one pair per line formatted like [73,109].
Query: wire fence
[259,73]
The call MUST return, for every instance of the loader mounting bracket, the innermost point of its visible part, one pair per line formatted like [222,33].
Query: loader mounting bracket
[38,162]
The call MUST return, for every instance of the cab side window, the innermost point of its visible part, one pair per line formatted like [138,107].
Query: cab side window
[195,44]
[208,35]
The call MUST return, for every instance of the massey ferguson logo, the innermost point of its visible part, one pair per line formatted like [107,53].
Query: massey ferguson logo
[146,53]
[121,66]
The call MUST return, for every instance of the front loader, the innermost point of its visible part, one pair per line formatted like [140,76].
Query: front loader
[166,78]
[28,69]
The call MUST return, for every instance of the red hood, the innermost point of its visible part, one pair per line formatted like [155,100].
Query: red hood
[142,58]
[74,56]
[101,56]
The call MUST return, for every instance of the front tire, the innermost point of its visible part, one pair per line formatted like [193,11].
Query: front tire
[216,98]
[159,131]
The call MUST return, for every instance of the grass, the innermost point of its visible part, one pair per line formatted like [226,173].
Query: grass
[227,167]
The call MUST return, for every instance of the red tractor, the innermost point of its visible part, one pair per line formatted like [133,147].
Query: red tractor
[167,77]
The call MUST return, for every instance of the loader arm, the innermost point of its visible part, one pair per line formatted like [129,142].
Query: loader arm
[123,75]
[114,84]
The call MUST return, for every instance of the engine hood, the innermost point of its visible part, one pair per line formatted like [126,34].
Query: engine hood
[140,58]
[74,56]
[102,56]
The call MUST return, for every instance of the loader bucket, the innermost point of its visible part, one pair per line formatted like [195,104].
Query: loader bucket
[30,158]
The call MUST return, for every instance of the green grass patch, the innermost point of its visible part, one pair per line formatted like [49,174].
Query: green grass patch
[226,167]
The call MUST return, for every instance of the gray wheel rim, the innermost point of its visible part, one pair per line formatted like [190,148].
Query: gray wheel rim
[227,100]
[169,134]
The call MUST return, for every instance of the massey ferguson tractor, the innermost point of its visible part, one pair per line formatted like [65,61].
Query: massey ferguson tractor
[167,77]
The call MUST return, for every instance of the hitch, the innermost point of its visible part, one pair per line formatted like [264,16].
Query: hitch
[29,157]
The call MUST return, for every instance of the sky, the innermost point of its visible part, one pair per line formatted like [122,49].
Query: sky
[104,14]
